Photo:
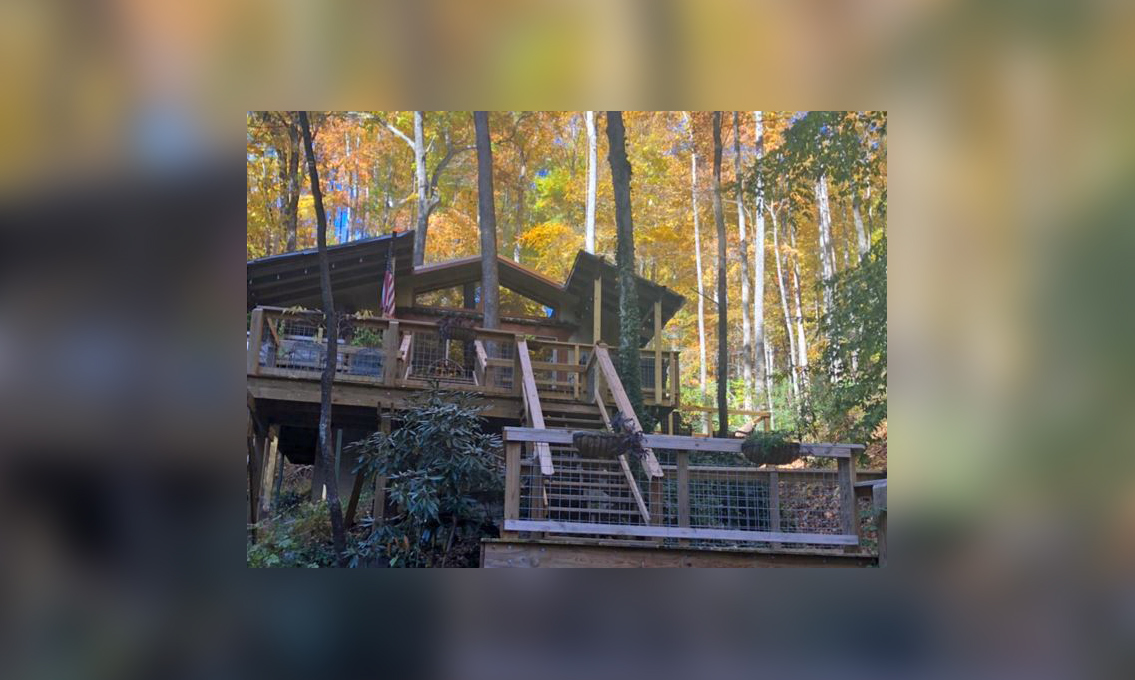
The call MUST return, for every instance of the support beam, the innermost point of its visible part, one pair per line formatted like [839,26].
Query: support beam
[269,472]
[378,505]
[597,312]
[511,485]
[848,505]
[532,403]
[658,352]
[390,354]
[774,503]
[255,329]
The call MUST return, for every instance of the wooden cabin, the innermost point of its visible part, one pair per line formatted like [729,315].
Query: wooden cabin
[557,322]
[544,373]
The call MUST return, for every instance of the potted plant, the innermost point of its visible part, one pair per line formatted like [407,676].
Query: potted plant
[774,447]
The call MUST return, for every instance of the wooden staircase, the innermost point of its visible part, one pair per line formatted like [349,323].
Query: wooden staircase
[572,416]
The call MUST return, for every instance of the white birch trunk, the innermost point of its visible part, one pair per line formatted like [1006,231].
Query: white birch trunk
[760,360]
[697,261]
[423,190]
[743,247]
[801,340]
[768,378]
[589,243]
[827,252]
[784,308]
[860,233]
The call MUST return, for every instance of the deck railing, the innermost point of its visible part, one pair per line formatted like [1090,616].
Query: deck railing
[395,352]
[708,494]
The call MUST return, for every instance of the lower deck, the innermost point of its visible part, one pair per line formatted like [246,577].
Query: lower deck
[596,553]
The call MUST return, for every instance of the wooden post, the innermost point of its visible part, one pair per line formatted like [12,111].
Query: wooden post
[269,471]
[532,403]
[658,352]
[255,471]
[511,485]
[573,359]
[683,492]
[675,389]
[378,505]
[879,503]
[390,354]
[774,503]
[597,311]
[255,333]
[848,508]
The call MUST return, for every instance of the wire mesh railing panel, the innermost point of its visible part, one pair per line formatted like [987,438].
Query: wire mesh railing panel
[299,343]
[810,502]
[502,363]
[433,357]
[702,499]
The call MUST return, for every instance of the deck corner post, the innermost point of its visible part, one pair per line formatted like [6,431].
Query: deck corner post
[511,485]
[255,333]
[390,353]
[849,510]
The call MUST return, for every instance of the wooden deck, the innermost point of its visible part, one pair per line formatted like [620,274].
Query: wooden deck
[389,359]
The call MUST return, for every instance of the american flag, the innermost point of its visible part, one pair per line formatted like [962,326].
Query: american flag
[387,297]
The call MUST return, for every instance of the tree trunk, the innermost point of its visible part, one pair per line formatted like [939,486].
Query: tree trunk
[592,173]
[423,191]
[290,164]
[863,239]
[827,250]
[520,191]
[331,322]
[630,322]
[768,377]
[722,297]
[784,307]
[487,218]
[760,363]
[801,341]
[743,248]
[697,260]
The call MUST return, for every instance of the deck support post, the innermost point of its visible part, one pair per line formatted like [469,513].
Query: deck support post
[269,472]
[848,506]
[378,504]
[511,485]
[657,352]
[597,311]
[255,331]
[390,354]
[774,503]
[683,492]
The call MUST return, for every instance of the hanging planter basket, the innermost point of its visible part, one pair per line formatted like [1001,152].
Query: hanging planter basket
[461,333]
[452,327]
[607,445]
[770,448]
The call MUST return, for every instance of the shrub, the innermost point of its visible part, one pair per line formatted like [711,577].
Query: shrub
[442,470]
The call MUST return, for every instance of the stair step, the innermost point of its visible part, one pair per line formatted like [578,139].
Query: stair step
[621,498]
[592,511]
[553,483]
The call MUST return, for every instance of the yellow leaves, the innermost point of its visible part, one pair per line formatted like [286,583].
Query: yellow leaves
[554,245]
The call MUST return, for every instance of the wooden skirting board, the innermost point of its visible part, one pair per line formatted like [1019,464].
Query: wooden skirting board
[559,553]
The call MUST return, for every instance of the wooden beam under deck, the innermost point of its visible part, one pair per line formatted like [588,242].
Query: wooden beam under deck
[595,553]
[307,391]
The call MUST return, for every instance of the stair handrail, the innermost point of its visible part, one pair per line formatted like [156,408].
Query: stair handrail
[603,359]
[532,404]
